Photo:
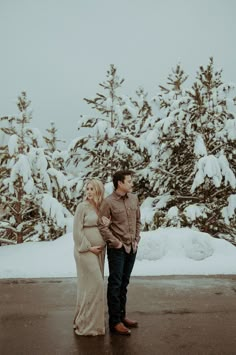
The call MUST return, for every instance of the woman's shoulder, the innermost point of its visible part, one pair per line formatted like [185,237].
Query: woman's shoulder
[82,205]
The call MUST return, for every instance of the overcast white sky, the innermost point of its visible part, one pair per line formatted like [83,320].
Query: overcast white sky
[59,50]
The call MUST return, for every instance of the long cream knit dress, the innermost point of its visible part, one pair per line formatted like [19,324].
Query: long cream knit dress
[89,317]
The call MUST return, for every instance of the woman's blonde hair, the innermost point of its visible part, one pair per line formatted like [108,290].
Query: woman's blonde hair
[99,191]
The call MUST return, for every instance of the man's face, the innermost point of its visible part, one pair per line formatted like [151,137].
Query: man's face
[127,185]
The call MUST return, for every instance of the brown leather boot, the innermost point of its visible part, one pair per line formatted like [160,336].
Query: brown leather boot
[120,329]
[130,323]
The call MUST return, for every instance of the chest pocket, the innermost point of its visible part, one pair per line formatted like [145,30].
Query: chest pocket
[132,210]
[133,207]
[117,211]
[118,214]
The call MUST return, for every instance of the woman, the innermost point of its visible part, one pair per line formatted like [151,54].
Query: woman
[89,253]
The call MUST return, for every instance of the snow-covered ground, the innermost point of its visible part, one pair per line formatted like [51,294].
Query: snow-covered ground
[169,251]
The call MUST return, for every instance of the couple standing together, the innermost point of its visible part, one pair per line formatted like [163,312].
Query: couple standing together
[113,222]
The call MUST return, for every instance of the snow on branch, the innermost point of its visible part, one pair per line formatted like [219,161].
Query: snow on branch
[214,168]
[100,128]
[229,211]
[122,148]
[7,241]
[53,209]
[199,146]
[60,177]
[21,168]
[193,212]
[226,171]
[13,144]
[230,128]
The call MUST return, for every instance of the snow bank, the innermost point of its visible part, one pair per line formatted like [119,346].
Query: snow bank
[169,251]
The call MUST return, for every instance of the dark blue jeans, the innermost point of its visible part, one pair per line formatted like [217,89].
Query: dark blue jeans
[120,268]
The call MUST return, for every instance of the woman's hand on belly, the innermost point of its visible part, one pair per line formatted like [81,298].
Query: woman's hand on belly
[96,250]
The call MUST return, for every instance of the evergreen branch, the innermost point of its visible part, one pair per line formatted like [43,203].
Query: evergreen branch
[4,118]
[188,197]
[27,211]
[8,131]
[9,228]
[7,241]
[22,224]
[219,146]
[218,192]
[164,171]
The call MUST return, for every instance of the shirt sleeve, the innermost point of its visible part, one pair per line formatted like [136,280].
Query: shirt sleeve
[105,231]
[138,223]
[81,242]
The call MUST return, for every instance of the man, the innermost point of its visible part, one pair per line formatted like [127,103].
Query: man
[122,236]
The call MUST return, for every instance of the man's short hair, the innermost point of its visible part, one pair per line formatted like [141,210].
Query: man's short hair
[120,176]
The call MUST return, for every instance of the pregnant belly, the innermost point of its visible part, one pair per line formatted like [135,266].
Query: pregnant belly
[94,237]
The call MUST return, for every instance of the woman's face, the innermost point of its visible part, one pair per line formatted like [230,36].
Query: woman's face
[90,192]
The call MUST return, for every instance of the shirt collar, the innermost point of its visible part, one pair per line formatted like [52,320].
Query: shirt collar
[118,196]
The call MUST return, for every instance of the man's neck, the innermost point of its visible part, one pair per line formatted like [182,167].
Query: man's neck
[120,192]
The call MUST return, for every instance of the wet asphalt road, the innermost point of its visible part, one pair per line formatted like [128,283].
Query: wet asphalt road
[177,315]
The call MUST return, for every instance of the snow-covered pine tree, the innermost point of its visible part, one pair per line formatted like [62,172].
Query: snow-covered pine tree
[51,139]
[60,184]
[4,123]
[160,141]
[140,126]
[212,113]
[112,141]
[26,190]
[195,166]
